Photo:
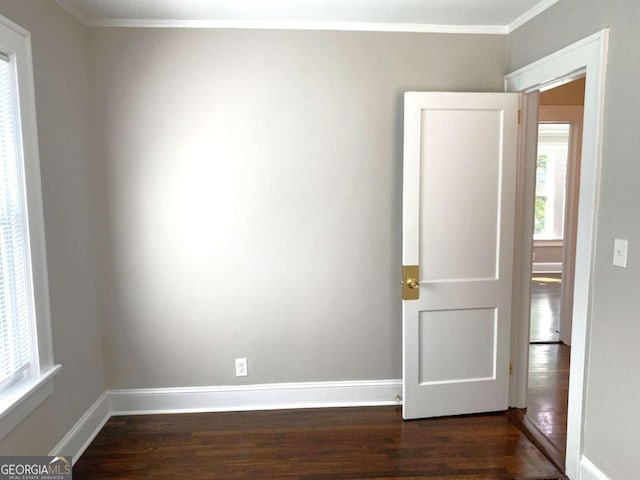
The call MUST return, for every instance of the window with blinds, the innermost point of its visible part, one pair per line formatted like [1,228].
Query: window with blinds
[26,347]
[16,338]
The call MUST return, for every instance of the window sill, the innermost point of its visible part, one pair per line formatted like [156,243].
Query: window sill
[21,400]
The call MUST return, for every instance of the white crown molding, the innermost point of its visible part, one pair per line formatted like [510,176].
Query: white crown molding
[362,393]
[74,11]
[301,25]
[71,8]
[529,14]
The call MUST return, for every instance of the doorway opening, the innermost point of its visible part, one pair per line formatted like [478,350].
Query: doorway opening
[560,118]
[586,57]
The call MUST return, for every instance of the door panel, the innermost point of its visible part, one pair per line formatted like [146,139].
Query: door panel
[442,364]
[440,195]
[458,215]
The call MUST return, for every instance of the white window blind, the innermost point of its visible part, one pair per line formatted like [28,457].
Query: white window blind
[26,347]
[16,339]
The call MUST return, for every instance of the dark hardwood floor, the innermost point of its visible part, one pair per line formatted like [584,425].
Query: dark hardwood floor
[339,443]
[545,307]
[548,389]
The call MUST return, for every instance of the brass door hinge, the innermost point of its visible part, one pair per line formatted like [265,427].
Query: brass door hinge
[510,368]
[519,117]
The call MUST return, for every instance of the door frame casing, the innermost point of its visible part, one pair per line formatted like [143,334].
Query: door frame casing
[587,56]
[572,115]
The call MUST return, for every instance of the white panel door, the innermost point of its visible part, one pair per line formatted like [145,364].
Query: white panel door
[458,224]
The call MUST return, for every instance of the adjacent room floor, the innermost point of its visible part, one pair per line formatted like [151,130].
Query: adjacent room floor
[338,443]
[545,308]
[548,363]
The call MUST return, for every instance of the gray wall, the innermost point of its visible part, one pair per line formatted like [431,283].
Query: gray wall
[250,197]
[60,50]
[613,390]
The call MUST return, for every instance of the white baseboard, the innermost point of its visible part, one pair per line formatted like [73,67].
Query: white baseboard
[255,397]
[76,441]
[547,267]
[588,471]
[274,396]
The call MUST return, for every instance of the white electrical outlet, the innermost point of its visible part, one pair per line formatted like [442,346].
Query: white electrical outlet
[241,367]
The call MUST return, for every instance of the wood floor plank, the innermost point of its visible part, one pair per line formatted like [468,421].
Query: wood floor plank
[341,443]
[545,308]
[548,391]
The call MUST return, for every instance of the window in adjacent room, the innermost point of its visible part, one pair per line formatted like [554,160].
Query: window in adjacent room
[551,180]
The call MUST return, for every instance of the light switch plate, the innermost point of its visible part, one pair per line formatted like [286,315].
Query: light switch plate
[620,252]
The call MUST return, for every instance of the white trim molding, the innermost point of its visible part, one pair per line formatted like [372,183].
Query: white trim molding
[588,471]
[531,13]
[303,25]
[587,56]
[74,11]
[21,398]
[547,267]
[297,25]
[255,397]
[76,441]
[403,27]
[24,399]
[275,396]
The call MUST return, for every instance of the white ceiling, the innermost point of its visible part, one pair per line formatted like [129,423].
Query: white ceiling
[474,16]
